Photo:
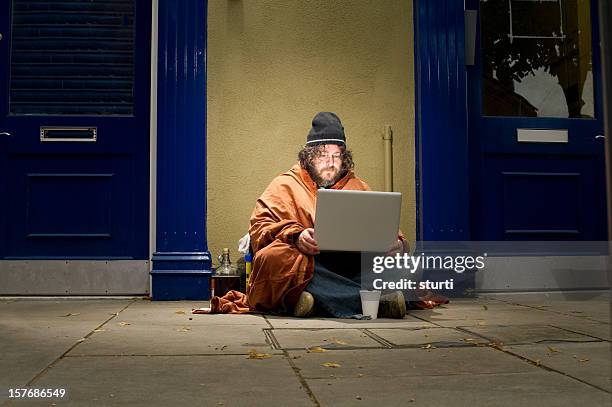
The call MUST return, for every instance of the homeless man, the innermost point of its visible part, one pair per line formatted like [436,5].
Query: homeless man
[290,274]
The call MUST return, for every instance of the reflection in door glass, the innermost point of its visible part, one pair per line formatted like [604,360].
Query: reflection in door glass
[536,58]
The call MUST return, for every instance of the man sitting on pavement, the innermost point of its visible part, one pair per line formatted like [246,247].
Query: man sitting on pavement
[290,274]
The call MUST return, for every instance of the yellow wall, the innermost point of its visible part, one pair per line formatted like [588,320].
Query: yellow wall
[273,64]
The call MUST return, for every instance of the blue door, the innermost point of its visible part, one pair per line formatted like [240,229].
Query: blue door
[74,125]
[535,122]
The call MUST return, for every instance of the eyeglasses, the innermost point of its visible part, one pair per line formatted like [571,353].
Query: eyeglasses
[327,156]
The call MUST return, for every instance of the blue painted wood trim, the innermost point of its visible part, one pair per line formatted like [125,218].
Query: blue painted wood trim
[441,125]
[182,263]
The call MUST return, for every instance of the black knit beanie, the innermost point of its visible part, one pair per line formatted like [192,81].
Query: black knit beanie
[326,129]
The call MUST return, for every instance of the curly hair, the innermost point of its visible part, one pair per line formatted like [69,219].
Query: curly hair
[307,155]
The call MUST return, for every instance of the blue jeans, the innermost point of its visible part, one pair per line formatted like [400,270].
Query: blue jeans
[335,285]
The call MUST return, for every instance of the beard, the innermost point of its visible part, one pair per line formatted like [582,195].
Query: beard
[324,182]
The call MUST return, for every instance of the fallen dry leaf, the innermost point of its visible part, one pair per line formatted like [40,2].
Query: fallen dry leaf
[254,355]
[331,364]
[469,339]
[485,307]
[428,346]
[180,312]
[552,350]
[71,314]
[339,342]
[537,362]
[583,360]
[315,349]
[183,329]
[100,330]
[482,323]
[123,323]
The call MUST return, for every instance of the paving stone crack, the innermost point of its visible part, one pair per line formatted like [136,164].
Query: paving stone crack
[548,368]
[302,380]
[42,372]
[379,339]
[581,333]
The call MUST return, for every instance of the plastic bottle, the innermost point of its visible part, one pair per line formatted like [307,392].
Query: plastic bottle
[248,259]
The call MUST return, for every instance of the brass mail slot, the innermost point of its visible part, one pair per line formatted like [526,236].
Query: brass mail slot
[71,134]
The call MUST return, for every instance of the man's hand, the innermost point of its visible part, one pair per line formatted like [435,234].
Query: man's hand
[306,242]
[397,247]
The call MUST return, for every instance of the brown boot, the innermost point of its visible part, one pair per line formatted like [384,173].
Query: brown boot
[392,305]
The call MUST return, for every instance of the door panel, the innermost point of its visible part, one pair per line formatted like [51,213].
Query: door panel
[537,68]
[541,197]
[71,206]
[75,66]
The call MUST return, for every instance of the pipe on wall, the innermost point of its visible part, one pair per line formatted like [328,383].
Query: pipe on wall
[388,147]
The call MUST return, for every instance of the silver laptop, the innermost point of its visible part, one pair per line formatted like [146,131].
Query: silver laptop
[357,220]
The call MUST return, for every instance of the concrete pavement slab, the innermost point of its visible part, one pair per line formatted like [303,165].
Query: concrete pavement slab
[518,334]
[25,352]
[590,362]
[324,338]
[34,333]
[198,348]
[457,316]
[120,337]
[174,381]
[593,306]
[393,363]
[542,389]
[179,312]
[59,313]
[437,337]
[314,323]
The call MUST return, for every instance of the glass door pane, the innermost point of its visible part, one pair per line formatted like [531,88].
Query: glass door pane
[536,58]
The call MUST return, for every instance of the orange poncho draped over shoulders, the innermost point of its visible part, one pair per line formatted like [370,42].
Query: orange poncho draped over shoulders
[280,271]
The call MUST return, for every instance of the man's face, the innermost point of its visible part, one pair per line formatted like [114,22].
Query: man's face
[327,164]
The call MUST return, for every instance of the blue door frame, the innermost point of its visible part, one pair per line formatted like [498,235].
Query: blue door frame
[181,262]
[442,183]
